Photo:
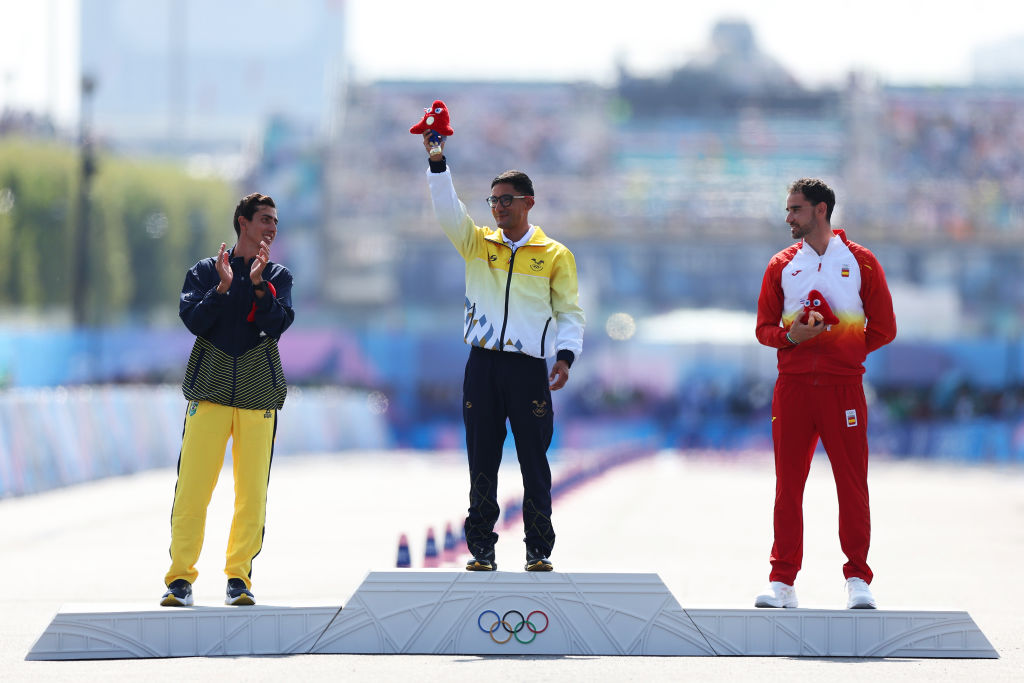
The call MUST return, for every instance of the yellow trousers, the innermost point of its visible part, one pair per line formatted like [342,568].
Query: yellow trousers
[204,441]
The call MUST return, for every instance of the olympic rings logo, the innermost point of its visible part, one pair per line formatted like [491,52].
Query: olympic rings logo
[524,623]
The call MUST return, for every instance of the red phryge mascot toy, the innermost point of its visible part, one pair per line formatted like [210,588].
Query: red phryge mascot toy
[816,302]
[435,119]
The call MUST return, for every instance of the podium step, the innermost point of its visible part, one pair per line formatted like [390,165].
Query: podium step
[142,631]
[842,633]
[506,613]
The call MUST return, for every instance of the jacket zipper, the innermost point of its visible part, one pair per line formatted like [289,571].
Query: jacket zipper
[508,292]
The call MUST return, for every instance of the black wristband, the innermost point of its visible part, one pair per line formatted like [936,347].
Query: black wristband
[439,166]
[566,355]
[261,287]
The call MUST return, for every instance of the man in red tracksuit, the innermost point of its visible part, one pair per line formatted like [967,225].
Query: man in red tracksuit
[825,305]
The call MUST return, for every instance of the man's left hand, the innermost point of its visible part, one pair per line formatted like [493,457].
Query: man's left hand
[258,264]
[559,375]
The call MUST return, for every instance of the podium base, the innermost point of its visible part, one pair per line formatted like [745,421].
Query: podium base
[506,613]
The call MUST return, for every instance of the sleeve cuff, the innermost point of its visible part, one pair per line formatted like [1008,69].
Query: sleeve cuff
[566,355]
[439,166]
[263,303]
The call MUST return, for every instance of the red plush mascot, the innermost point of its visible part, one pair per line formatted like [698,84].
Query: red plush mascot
[816,302]
[435,119]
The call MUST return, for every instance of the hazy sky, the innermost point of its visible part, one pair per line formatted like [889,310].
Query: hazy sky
[903,41]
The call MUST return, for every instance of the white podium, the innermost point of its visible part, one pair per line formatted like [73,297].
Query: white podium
[141,631]
[842,633]
[506,613]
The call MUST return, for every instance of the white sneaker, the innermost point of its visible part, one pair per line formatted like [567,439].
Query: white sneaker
[858,594]
[777,594]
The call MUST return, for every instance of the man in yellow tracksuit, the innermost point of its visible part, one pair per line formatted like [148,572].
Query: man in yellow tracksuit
[238,304]
[522,306]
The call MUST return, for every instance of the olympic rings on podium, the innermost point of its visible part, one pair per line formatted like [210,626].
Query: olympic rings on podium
[513,631]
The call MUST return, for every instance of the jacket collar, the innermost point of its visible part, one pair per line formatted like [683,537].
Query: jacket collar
[538,239]
[836,232]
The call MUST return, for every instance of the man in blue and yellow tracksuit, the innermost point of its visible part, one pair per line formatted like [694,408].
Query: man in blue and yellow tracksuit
[522,306]
[238,305]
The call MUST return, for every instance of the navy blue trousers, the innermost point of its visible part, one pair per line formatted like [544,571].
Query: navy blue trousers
[498,387]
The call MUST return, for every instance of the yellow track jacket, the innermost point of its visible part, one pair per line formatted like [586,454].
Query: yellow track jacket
[527,301]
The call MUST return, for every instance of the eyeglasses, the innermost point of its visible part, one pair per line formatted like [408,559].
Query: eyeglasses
[505,199]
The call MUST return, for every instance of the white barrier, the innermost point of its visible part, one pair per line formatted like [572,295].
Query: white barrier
[57,437]
[507,613]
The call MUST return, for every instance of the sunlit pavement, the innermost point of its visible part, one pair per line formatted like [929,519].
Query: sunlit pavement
[945,537]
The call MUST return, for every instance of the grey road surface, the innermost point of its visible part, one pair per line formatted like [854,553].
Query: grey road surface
[945,537]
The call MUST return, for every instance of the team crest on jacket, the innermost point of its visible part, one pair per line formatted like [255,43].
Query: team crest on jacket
[845,272]
[540,408]
[536,263]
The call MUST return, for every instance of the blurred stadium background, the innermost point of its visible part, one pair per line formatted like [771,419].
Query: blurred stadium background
[669,189]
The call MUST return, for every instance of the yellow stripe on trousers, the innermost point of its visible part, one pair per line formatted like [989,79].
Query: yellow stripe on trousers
[207,429]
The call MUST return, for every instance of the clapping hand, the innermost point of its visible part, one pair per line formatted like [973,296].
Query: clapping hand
[258,264]
[224,269]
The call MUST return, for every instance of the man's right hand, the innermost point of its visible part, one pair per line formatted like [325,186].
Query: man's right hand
[801,332]
[224,270]
[427,144]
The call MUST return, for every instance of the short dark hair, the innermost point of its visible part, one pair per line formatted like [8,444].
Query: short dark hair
[517,179]
[816,192]
[247,207]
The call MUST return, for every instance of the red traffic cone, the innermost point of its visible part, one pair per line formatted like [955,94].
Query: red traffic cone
[449,554]
[404,561]
[430,557]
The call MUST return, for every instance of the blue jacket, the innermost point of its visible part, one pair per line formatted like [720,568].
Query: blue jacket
[235,360]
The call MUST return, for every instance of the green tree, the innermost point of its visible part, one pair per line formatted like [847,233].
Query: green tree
[148,221]
[36,181]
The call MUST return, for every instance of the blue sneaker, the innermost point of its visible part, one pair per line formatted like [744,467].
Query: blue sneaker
[179,594]
[482,561]
[537,561]
[238,594]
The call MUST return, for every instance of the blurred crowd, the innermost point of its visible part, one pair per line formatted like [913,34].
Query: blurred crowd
[948,161]
[667,211]
[956,158]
